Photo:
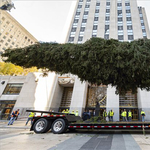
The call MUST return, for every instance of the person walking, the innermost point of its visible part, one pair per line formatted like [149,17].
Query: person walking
[13,117]
[104,115]
[143,115]
[130,116]
[111,115]
[31,115]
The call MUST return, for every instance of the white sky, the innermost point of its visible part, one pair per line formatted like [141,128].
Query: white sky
[49,20]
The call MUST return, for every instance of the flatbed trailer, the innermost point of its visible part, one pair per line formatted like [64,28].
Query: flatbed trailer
[60,122]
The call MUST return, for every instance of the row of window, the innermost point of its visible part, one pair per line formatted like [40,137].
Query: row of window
[142,22]
[107,18]
[18,35]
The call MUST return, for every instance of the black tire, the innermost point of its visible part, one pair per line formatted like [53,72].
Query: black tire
[41,126]
[49,126]
[59,126]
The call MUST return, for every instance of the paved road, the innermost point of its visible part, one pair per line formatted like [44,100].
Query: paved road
[18,137]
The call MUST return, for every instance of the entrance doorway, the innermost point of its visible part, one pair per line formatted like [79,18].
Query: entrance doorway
[6,108]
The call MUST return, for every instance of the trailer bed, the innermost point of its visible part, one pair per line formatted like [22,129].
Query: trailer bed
[60,122]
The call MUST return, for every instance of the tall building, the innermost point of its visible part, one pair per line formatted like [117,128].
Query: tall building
[12,33]
[118,19]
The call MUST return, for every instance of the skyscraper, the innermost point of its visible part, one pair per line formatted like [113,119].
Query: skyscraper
[12,33]
[117,19]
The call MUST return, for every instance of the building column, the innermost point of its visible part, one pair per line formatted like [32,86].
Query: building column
[112,102]
[143,98]
[79,96]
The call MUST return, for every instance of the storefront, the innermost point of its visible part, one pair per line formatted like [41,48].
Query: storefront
[6,107]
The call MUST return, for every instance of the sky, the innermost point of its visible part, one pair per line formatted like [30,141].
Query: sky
[49,20]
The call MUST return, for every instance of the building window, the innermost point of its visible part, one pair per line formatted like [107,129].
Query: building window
[77,13]
[119,12]
[128,18]
[84,20]
[87,6]
[107,18]
[108,3]
[13,88]
[95,18]
[94,27]
[82,29]
[107,10]
[130,37]
[6,44]
[120,19]
[119,4]
[96,10]
[79,6]
[120,37]
[106,27]
[127,4]
[71,39]
[97,4]
[73,29]
[93,35]
[142,24]
[128,11]
[80,0]
[143,30]
[3,18]
[120,27]
[141,18]
[129,27]
[80,38]
[76,20]
[106,36]
[86,13]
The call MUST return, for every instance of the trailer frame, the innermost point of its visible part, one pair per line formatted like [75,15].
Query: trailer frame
[60,122]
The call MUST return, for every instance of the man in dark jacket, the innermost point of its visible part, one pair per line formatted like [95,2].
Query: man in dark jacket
[13,117]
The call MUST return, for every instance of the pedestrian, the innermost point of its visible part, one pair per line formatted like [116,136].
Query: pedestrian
[104,115]
[143,115]
[130,116]
[111,115]
[124,115]
[13,117]
[77,113]
[31,115]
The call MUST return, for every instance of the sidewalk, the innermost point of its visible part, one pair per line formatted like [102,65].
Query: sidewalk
[19,124]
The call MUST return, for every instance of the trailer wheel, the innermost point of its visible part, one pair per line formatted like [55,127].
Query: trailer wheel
[59,126]
[41,126]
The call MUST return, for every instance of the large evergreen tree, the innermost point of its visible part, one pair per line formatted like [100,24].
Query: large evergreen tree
[125,65]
